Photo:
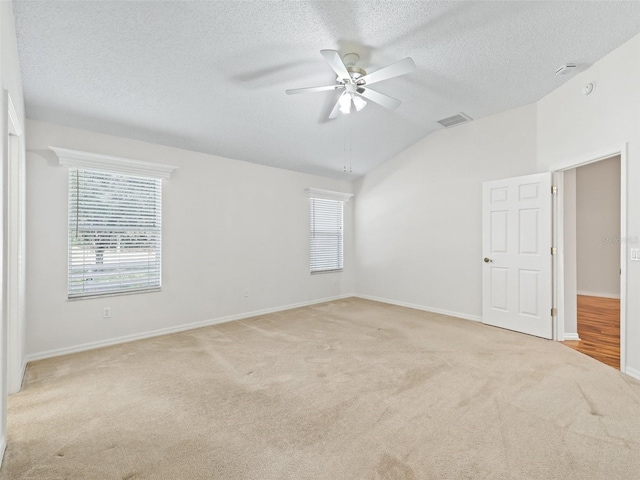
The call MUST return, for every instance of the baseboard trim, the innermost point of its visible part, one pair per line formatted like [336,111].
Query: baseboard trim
[176,329]
[571,336]
[599,294]
[23,369]
[632,372]
[465,316]
[23,372]
[3,447]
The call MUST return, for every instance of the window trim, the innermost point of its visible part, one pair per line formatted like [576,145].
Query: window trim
[123,166]
[107,163]
[329,195]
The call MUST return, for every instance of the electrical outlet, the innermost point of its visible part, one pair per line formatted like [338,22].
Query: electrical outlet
[106,312]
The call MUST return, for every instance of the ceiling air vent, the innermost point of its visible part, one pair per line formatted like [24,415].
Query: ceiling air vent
[455,120]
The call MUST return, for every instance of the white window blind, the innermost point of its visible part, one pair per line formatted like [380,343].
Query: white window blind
[114,233]
[326,235]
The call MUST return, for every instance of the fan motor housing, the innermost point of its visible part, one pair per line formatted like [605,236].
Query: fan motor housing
[350,60]
[355,73]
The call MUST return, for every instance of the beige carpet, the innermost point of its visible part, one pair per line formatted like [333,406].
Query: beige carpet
[350,389]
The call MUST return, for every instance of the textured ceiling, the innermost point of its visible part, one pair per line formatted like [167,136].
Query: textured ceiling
[210,76]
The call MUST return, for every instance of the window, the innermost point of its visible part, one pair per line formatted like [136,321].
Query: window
[326,215]
[115,222]
[326,235]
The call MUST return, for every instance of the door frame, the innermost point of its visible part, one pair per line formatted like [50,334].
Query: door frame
[14,210]
[558,241]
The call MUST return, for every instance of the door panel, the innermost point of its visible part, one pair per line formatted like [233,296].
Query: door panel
[529,285]
[499,288]
[516,242]
[499,226]
[529,231]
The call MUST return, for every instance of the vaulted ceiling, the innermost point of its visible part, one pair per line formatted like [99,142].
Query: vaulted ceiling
[210,76]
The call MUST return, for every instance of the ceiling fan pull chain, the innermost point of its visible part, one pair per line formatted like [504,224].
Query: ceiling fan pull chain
[344,152]
[350,142]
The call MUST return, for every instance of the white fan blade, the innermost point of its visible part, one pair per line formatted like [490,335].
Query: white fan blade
[402,67]
[380,98]
[336,108]
[336,63]
[295,91]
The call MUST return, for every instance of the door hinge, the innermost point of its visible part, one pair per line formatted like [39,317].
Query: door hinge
[554,312]
[554,189]
[554,250]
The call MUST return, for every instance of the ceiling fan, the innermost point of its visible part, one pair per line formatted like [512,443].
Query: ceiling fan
[355,82]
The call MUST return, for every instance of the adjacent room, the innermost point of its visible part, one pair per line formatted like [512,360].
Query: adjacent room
[592,259]
[320,239]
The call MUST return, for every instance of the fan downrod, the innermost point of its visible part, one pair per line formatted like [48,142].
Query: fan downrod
[350,60]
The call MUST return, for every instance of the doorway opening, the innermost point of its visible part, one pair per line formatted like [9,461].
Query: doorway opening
[591,274]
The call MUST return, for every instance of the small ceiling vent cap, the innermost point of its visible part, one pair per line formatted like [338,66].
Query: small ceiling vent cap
[455,120]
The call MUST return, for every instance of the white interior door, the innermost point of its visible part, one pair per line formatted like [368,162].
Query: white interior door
[516,243]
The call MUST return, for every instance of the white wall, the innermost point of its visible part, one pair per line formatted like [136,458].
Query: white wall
[12,83]
[575,128]
[227,226]
[569,255]
[419,217]
[598,228]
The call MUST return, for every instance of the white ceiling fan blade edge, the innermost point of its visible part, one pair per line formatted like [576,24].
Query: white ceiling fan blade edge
[401,67]
[335,61]
[380,98]
[295,91]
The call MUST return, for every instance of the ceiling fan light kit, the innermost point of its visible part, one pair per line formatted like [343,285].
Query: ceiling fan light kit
[355,82]
[345,104]
[359,103]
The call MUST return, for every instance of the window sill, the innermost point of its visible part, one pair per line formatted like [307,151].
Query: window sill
[113,294]
[320,272]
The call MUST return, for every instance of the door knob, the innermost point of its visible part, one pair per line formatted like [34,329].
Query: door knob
[487,260]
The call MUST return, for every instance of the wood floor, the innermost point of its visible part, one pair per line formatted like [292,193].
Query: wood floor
[599,329]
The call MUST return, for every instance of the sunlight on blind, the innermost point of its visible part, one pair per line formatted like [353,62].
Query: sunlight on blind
[326,235]
[114,233]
